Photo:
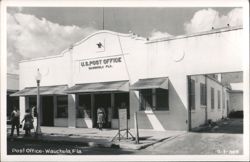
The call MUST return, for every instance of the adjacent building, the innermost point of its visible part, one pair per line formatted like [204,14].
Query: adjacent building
[168,81]
[12,87]
[235,83]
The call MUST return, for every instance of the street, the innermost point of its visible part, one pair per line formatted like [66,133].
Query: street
[225,138]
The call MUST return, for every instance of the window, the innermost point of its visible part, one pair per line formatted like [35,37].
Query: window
[119,99]
[212,98]
[62,106]
[154,99]
[203,94]
[218,99]
[192,94]
[162,99]
[84,106]
[146,97]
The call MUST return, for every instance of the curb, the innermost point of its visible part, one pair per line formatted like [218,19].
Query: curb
[94,144]
[139,146]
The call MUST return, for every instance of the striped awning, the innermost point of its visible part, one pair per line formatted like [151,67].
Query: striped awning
[122,86]
[44,90]
[150,83]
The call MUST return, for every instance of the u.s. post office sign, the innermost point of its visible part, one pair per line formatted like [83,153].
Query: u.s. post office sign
[101,63]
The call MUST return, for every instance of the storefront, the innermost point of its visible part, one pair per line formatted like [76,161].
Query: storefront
[110,70]
[91,96]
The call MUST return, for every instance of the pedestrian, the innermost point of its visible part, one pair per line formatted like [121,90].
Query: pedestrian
[15,121]
[100,117]
[28,122]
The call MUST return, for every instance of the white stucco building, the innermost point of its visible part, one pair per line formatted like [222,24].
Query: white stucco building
[163,80]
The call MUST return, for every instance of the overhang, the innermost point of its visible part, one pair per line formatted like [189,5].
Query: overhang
[150,83]
[44,90]
[119,86]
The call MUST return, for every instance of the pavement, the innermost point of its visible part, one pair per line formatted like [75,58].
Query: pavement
[92,137]
[224,137]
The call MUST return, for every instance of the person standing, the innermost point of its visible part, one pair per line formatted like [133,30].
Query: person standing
[28,122]
[15,121]
[100,117]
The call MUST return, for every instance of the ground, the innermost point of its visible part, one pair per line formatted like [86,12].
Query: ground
[223,138]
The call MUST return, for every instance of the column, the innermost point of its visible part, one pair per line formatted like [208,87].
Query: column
[154,99]
[23,102]
[76,106]
[55,107]
[112,106]
[93,116]
[71,110]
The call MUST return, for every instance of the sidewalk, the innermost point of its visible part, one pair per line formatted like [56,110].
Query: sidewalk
[95,138]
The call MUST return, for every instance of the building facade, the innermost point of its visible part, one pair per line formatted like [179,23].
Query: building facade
[162,80]
[12,87]
[235,82]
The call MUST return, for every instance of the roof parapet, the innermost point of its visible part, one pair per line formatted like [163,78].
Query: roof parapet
[213,31]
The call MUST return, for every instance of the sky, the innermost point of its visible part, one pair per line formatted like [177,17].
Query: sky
[43,31]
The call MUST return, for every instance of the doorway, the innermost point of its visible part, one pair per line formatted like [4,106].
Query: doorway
[47,111]
[101,100]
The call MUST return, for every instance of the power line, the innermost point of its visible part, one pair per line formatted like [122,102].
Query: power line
[102,18]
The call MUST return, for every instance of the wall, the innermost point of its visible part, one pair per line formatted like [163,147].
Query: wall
[216,113]
[236,77]
[174,58]
[66,69]
[203,53]
[236,101]
[124,46]
[226,97]
[198,115]
[12,82]
[174,119]
[54,70]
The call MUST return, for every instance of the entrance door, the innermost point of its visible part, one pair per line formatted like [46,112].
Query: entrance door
[101,100]
[48,111]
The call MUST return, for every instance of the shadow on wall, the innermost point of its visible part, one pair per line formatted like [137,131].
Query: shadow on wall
[176,118]
[143,121]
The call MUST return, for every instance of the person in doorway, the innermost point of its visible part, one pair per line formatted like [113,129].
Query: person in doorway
[28,123]
[100,117]
[15,121]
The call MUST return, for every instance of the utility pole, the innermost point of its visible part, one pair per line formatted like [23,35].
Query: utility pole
[102,18]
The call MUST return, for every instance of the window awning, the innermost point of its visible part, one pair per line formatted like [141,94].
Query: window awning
[122,86]
[44,90]
[150,83]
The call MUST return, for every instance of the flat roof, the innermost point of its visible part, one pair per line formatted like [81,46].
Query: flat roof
[212,31]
